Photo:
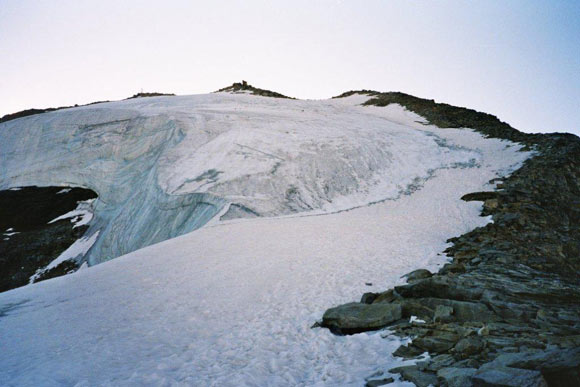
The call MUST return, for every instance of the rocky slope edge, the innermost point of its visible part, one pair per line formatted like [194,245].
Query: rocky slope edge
[506,310]
[34,111]
[35,233]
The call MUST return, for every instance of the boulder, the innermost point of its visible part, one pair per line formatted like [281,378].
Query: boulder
[408,351]
[379,382]
[453,268]
[457,377]
[491,204]
[355,317]
[440,286]
[415,375]
[559,367]
[414,307]
[468,346]
[508,377]
[443,313]
[368,298]
[440,341]
[440,361]
[463,311]
[543,360]
[417,275]
[387,296]
[479,196]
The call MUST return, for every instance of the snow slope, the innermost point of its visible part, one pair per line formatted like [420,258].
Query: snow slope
[231,304]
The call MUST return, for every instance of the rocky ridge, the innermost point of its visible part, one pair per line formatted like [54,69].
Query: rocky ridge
[506,310]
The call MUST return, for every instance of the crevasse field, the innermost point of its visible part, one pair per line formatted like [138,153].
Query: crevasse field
[242,219]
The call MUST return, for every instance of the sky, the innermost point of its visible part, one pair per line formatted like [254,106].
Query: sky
[518,60]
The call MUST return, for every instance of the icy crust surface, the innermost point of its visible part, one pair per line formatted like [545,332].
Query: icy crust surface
[165,166]
[232,303]
[279,157]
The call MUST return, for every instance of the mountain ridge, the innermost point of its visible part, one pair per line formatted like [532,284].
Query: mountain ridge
[473,329]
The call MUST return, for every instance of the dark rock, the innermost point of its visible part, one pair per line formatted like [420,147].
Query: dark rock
[471,311]
[30,112]
[441,341]
[490,204]
[417,275]
[467,363]
[413,374]
[244,86]
[479,196]
[440,361]
[508,377]
[412,307]
[462,311]
[65,267]
[37,242]
[379,382]
[440,287]
[468,346]
[454,267]
[387,296]
[408,351]
[457,377]
[368,298]
[443,313]
[151,94]
[568,377]
[543,360]
[558,367]
[356,317]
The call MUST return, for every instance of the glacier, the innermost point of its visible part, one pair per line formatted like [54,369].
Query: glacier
[293,207]
[165,166]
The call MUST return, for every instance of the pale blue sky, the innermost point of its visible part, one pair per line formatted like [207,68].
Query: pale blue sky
[519,60]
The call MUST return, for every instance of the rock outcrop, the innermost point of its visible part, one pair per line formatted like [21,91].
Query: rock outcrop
[30,238]
[245,87]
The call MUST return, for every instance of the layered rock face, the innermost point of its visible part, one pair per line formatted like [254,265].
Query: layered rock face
[506,310]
